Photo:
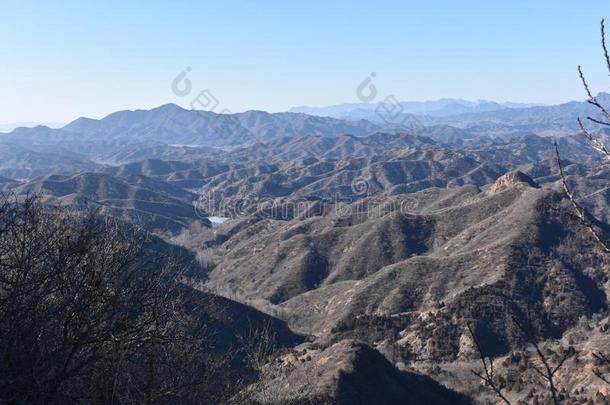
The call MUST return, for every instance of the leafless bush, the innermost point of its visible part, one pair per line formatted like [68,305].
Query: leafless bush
[205,259]
[258,343]
[276,386]
[275,369]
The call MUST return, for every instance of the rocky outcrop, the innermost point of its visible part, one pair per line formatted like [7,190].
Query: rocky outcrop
[348,372]
[511,179]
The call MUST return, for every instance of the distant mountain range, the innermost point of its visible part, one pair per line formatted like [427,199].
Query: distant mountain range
[171,124]
[170,132]
[442,107]
[480,117]
[7,127]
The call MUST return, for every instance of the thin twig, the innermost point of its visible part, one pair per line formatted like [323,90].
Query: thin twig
[601,357]
[603,34]
[592,100]
[600,122]
[595,143]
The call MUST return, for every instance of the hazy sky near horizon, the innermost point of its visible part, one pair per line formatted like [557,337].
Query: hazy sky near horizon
[62,60]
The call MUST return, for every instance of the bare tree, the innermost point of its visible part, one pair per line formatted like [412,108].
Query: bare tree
[258,343]
[89,313]
[595,143]
[599,146]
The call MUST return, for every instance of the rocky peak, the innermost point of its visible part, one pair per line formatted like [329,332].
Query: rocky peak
[511,179]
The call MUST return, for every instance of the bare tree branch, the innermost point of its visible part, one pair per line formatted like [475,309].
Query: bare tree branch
[605,360]
[599,122]
[595,143]
[488,369]
[580,211]
[592,100]
[603,35]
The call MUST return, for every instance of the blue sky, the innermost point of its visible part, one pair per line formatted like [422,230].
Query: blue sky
[62,60]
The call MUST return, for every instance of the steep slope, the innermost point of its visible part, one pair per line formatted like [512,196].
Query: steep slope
[157,206]
[27,162]
[455,257]
[346,180]
[6,183]
[349,372]
[534,149]
[317,147]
